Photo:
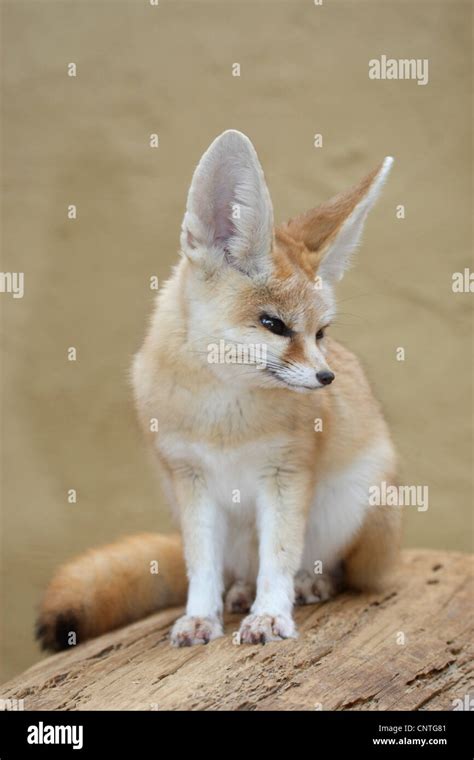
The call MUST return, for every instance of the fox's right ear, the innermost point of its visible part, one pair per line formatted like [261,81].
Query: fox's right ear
[332,231]
[229,215]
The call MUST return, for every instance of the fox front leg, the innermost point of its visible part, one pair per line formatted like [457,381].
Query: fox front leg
[281,516]
[202,530]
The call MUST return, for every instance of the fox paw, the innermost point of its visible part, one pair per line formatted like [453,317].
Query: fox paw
[239,597]
[189,630]
[259,629]
[310,589]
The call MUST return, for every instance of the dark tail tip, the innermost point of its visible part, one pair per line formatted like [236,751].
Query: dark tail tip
[57,632]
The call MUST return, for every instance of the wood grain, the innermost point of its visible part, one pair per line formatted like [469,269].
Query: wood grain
[348,656]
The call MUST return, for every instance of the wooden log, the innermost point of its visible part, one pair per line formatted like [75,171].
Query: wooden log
[409,647]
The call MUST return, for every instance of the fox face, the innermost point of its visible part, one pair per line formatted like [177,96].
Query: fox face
[261,298]
[264,332]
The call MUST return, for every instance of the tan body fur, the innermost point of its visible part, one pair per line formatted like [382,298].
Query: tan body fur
[260,494]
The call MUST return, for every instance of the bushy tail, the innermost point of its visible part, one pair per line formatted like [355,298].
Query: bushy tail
[111,586]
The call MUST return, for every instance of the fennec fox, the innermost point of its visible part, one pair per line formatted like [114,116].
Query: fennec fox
[268,436]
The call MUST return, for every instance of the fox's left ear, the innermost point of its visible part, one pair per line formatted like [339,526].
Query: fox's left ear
[332,231]
[229,215]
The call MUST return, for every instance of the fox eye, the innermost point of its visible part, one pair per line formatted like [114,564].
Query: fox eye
[320,334]
[274,324]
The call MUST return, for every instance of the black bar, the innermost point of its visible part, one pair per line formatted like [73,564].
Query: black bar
[141,734]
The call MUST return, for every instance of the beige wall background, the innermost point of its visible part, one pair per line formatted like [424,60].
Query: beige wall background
[85,141]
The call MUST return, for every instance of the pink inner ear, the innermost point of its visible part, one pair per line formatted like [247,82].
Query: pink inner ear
[224,227]
[190,240]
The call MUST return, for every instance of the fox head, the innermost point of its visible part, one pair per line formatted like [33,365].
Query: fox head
[259,299]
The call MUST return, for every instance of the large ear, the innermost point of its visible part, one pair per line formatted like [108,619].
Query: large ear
[229,213]
[333,230]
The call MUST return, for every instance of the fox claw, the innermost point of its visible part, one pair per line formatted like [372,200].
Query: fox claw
[190,630]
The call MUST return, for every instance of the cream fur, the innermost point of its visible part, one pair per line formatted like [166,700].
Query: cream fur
[258,493]
[264,497]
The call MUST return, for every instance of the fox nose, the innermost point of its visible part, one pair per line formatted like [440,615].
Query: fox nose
[325,377]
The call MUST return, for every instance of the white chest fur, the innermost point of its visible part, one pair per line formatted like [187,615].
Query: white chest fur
[232,473]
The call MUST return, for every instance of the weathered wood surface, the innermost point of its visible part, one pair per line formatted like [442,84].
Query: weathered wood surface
[349,656]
